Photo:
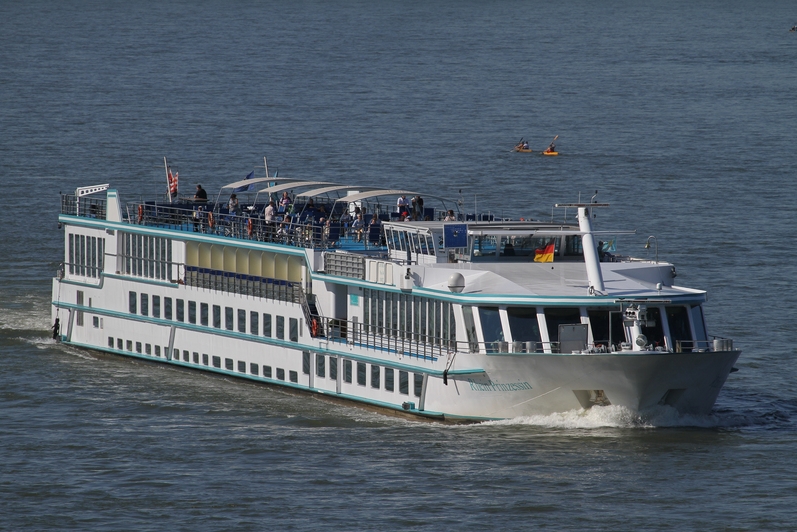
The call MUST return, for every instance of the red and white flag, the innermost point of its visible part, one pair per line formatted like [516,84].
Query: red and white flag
[172,183]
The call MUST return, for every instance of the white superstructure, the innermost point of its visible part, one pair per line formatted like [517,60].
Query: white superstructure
[474,319]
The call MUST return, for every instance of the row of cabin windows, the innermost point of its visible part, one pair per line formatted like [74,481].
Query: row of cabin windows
[86,255]
[376,374]
[410,317]
[146,256]
[211,315]
[206,360]
[607,326]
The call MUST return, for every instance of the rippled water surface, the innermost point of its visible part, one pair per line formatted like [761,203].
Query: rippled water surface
[680,114]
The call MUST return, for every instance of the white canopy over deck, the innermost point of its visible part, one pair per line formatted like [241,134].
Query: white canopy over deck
[256,180]
[293,184]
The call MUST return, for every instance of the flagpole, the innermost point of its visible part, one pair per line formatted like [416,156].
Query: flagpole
[168,184]
[265,163]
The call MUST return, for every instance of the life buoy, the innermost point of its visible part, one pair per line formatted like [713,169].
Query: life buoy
[140,213]
[249,227]
[211,223]
[314,327]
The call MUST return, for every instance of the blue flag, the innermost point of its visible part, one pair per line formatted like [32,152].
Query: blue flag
[246,188]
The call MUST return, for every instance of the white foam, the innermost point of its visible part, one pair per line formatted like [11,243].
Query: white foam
[613,416]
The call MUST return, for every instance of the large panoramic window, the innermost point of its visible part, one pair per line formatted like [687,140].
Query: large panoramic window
[524,327]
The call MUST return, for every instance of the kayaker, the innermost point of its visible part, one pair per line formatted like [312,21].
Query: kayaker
[551,148]
[525,145]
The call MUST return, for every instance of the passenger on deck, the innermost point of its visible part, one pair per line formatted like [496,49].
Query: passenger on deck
[402,205]
[285,200]
[233,206]
[417,207]
[345,218]
[358,227]
[269,212]
[200,195]
[450,216]
[509,250]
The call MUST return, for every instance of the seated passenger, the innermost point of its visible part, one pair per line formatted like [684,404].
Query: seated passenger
[358,227]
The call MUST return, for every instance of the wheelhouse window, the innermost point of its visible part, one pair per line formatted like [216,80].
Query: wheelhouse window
[607,327]
[680,331]
[653,330]
[492,329]
[524,327]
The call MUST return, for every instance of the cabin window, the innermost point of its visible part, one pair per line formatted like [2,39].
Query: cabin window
[228,318]
[347,371]
[132,303]
[71,253]
[79,301]
[306,362]
[180,310]
[294,377]
[554,317]
[680,331]
[157,350]
[389,379]
[96,322]
[138,347]
[119,344]
[229,364]
[110,342]
[492,329]
[203,314]
[320,365]
[417,386]
[145,304]
[192,312]
[281,327]
[148,349]
[216,362]
[281,374]
[254,369]
[267,325]
[333,368]
[156,306]
[293,330]
[654,331]
[267,372]
[700,327]
[186,356]
[254,322]
[361,373]
[607,327]
[376,381]
[404,382]
[195,357]
[242,366]
[241,320]
[205,359]
[217,316]
[525,328]
[167,308]
[130,345]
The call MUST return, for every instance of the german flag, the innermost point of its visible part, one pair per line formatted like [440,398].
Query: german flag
[544,254]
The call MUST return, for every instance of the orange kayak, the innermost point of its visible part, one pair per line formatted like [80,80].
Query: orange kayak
[550,153]
[523,150]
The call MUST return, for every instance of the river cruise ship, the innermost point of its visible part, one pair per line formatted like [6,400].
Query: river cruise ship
[420,309]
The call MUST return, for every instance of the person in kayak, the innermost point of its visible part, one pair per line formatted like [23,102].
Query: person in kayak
[551,148]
